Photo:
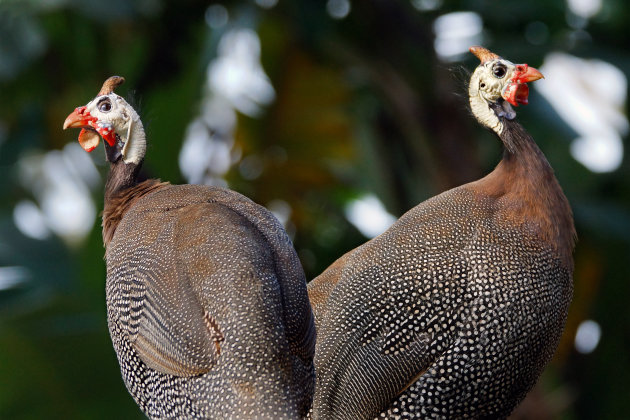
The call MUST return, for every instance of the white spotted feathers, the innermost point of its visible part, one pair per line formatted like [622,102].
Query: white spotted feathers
[206,299]
[455,310]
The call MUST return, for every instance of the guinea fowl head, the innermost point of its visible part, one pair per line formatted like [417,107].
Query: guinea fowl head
[109,116]
[496,85]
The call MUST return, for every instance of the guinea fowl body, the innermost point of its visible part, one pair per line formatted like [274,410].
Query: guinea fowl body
[212,272]
[454,311]
[206,299]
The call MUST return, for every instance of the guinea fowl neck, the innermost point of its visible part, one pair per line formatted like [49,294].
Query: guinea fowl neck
[122,190]
[524,168]
[121,177]
[527,191]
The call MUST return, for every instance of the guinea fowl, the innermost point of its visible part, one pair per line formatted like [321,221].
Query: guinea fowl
[455,310]
[206,299]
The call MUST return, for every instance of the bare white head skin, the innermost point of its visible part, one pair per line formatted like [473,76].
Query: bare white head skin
[109,116]
[494,85]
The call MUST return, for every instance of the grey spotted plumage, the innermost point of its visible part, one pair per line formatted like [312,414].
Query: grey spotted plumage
[206,299]
[456,309]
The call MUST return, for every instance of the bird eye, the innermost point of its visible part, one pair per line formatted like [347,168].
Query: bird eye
[499,71]
[105,106]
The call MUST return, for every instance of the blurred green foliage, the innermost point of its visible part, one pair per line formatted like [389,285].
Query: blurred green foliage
[362,105]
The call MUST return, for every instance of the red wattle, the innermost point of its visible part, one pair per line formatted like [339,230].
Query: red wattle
[522,93]
[88,139]
[516,93]
[106,131]
[110,138]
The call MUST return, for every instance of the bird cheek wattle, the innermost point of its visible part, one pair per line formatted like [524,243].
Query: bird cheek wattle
[106,130]
[88,139]
[516,93]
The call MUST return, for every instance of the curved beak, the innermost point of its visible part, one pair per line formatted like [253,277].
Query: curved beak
[80,118]
[526,74]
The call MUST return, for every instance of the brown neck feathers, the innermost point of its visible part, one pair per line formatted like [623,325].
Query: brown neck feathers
[527,192]
[121,193]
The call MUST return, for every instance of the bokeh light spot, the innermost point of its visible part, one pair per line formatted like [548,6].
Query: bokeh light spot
[587,336]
